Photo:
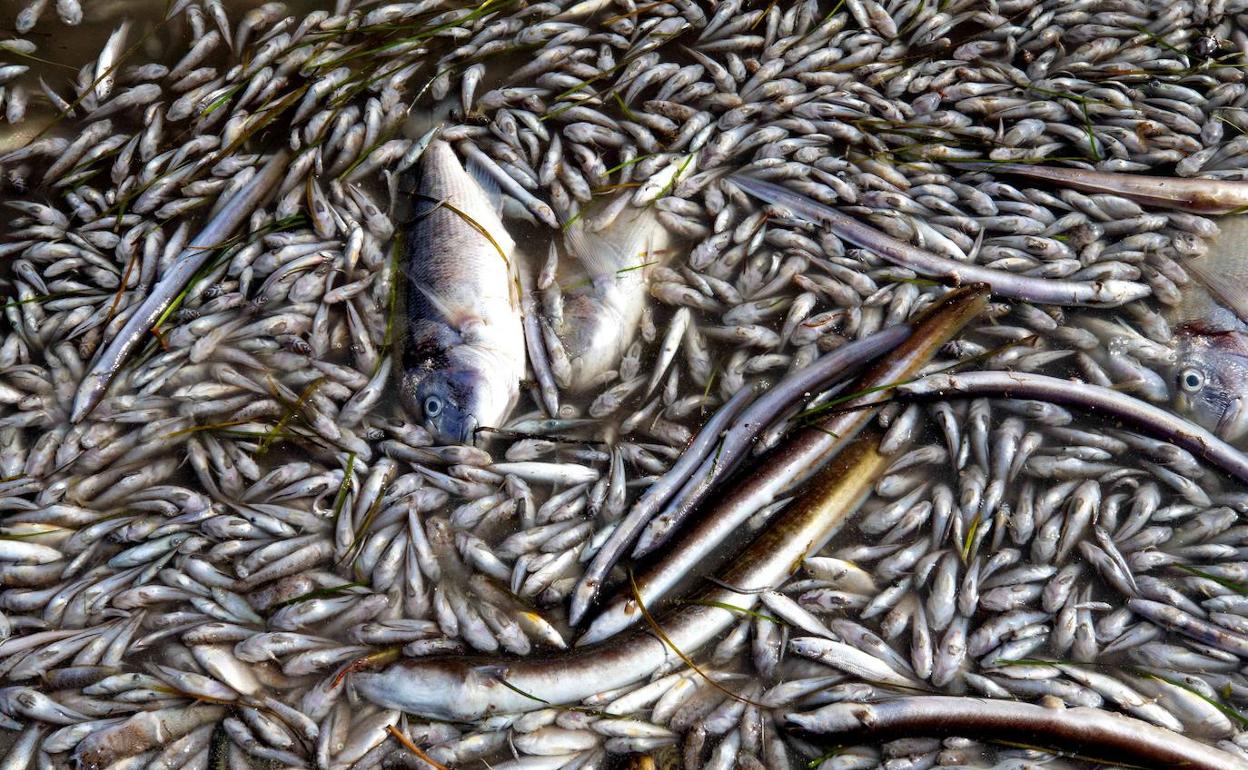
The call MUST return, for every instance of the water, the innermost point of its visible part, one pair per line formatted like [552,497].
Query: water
[242,481]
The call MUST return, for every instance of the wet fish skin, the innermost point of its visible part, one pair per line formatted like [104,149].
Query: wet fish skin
[1211,379]
[1210,371]
[596,310]
[36,358]
[464,352]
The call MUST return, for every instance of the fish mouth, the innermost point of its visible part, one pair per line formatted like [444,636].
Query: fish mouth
[464,433]
[468,434]
[1234,421]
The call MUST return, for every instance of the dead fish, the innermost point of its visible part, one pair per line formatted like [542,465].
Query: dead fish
[1210,319]
[464,352]
[1211,354]
[595,306]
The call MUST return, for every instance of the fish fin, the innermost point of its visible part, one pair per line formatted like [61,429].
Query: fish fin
[475,332]
[1228,292]
[491,670]
[588,250]
[623,247]
[973,256]
[482,177]
[452,316]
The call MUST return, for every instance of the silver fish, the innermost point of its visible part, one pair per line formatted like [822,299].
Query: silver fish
[1210,318]
[464,352]
[1211,357]
[595,307]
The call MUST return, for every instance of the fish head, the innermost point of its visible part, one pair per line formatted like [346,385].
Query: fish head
[455,402]
[1211,382]
[433,688]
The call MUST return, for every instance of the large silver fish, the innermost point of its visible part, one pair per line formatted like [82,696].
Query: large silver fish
[463,357]
[594,310]
[1211,357]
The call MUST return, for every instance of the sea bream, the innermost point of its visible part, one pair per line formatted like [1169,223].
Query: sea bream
[592,312]
[1211,357]
[463,356]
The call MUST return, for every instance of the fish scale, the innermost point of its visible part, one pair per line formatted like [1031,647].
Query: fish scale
[464,352]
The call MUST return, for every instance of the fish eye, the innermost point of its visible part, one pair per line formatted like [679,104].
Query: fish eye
[1191,380]
[433,406]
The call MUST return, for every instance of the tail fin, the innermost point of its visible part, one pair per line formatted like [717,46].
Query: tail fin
[625,246]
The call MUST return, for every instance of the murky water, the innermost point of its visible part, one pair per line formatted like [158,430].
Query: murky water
[242,531]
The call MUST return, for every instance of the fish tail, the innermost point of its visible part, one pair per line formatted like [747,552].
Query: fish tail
[635,241]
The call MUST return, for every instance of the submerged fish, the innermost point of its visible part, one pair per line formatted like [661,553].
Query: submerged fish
[1211,357]
[464,353]
[593,311]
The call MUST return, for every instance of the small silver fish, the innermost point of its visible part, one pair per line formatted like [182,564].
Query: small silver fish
[464,353]
[595,307]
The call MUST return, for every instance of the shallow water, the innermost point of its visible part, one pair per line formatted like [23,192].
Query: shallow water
[247,429]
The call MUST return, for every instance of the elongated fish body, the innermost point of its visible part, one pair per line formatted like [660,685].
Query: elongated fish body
[1211,326]
[595,309]
[463,356]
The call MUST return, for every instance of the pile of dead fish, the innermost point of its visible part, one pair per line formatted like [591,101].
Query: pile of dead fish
[358,364]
